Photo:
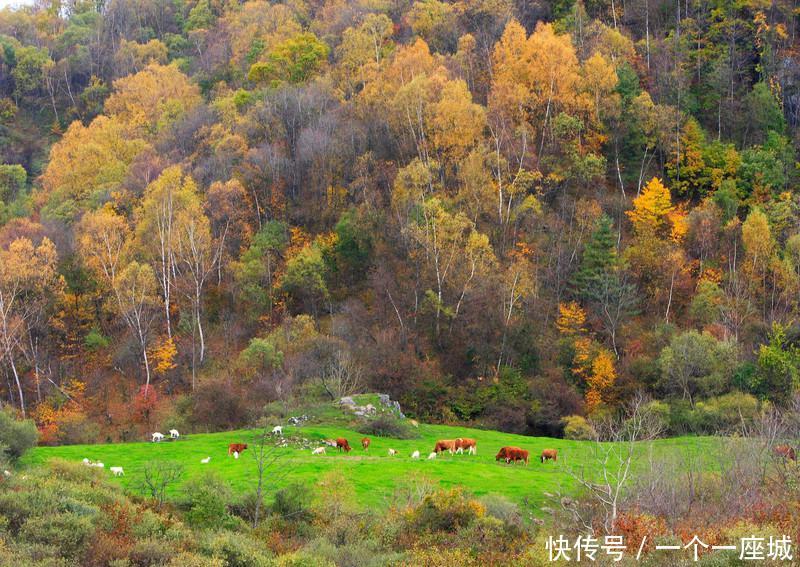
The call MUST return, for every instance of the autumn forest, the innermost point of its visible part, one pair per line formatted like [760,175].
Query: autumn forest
[503,213]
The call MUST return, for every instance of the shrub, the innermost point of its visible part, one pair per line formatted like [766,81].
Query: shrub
[389,426]
[68,532]
[207,499]
[503,509]
[578,428]
[16,436]
[293,503]
[446,511]
[237,550]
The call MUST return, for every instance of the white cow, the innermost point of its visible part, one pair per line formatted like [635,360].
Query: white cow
[415,455]
[157,437]
[392,452]
[173,433]
[117,471]
[206,460]
[277,430]
[432,456]
[318,451]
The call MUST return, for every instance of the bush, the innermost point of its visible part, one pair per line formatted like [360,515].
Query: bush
[68,532]
[16,436]
[237,550]
[389,426]
[446,511]
[578,428]
[293,503]
[207,499]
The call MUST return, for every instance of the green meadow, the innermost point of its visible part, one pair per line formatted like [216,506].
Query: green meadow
[373,475]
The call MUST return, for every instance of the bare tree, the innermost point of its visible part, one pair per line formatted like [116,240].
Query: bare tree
[157,476]
[342,376]
[267,453]
[607,471]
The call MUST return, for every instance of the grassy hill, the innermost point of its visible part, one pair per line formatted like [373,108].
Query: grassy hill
[373,474]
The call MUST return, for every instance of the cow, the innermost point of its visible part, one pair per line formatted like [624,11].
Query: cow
[415,455]
[503,453]
[341,443]
[432,455]
[465,443]
[448,445]
[236,448]
[516,454]
[117,471]
[173,434]
[392,452]
[277,430]
[318,451]
[365,443]
[206,460]
[549,454]
[786,452]
[157,437]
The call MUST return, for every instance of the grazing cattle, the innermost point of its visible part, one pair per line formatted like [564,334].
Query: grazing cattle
[277,430]
[415,455]
[392,452]
[515,454]
[157,437]
[502,454]
[548,454]
[236,448]
[173,434]
[318,451]
[785,451]
[448,445]
[206,460]
[469,444]
[341,443]
[432,455]
[117,471]
[365,443]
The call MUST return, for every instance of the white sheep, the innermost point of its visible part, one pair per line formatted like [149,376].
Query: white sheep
[277,430]
[173,433]
[432,456]
[318,451]
[157,437]
[98,465]
[86,461]
[236,454]
[117,471]
[392,452]
[415,455]
[206,460]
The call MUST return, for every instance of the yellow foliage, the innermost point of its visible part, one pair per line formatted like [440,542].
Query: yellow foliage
[571,318]
[651,209]
[164,356]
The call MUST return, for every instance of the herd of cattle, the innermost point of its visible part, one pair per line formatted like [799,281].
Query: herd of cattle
[460,445]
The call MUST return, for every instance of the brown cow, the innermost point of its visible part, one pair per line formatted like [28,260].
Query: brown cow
[236,448]
[448,445]
[785,451]
[465,443]
[548,454]
[503,453]
[341,443]
[365,443]
[515,454]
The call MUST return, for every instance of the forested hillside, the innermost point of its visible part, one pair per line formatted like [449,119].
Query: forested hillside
[498,212]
